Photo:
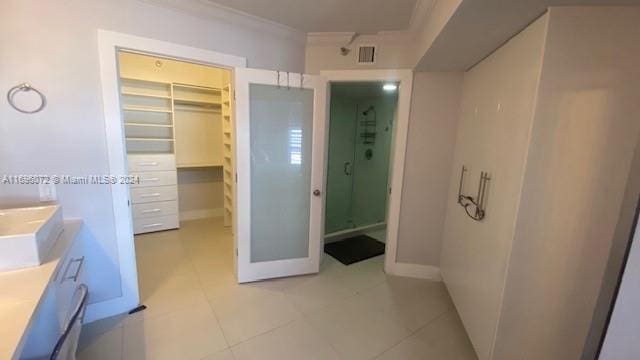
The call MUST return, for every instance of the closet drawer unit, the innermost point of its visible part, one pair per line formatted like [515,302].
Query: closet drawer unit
[155,178]
[153,193]
[151,162]
[159,208]
[155,223]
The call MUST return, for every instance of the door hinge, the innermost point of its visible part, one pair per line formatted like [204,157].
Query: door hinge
[129,203]
[389,190]
[236,252]
[234,94]
[236,177]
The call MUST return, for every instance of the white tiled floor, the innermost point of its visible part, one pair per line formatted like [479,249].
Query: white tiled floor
[197,311]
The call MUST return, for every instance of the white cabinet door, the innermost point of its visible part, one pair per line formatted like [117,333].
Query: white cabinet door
[280,137]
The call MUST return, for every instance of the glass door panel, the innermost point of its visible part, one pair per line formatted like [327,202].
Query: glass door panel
[281,125]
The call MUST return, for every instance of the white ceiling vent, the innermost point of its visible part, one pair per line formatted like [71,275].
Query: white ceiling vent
[366,54]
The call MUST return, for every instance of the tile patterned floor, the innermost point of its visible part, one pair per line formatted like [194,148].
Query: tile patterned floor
[197,311]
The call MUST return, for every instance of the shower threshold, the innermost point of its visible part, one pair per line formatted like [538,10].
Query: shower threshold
[346,233]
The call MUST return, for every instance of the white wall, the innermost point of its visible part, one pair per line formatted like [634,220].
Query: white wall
[621,341]
[619,247]
[498,100]
[433,124]
[585,132]
[200,192]
[53,45]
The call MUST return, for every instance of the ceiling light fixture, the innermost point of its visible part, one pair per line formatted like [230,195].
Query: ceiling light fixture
[389,87]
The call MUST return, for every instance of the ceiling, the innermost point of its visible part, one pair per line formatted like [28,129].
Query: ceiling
[478,27]
[360,16]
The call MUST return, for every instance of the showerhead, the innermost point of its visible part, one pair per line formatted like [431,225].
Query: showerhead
[366,112]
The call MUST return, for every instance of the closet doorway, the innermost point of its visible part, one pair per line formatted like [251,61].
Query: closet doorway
[178,138]
[361,126]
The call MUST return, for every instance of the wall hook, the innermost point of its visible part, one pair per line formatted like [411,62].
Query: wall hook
[474,207]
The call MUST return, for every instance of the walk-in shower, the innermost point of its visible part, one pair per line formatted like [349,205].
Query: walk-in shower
[361,126]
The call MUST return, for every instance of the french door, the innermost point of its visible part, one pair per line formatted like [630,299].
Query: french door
[280,151]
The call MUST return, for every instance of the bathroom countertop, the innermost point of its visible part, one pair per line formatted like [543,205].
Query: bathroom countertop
[21,292]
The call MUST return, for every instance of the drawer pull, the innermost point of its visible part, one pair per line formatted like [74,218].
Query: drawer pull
[149,163]
[150,195]
[151,225]
[150,211]
[74,277]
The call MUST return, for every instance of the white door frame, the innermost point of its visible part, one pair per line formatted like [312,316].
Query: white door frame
[254,271]
[404,77]
[109,43]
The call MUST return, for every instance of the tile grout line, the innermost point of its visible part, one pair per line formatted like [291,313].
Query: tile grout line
[201,288]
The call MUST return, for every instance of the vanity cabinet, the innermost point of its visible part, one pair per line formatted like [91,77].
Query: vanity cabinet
[55,303]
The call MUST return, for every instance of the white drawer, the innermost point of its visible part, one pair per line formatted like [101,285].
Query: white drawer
[71,274]
[151,162]
[159,208]
[153,193]
[155,223]
[155,178]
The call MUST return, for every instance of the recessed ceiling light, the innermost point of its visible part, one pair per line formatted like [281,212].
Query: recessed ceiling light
[390,87]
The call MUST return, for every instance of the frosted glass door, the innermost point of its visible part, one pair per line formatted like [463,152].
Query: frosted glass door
[280,136]
[281,125]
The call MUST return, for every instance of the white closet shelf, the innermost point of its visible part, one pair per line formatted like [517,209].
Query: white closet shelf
[195,166]
[140,94]
[198,88]
[128,78]
[148,139]
[146,109]
[195,102]
[148,125]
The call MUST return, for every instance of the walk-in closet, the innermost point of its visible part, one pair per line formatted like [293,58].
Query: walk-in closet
[179,140]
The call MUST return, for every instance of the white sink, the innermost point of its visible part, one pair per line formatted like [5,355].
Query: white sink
[27,235]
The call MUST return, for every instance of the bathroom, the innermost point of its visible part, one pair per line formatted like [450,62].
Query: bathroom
[361,132]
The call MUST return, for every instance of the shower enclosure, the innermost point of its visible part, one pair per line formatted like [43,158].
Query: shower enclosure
[360,133]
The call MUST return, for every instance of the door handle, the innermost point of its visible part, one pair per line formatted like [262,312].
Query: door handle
[316,192]
[347,169]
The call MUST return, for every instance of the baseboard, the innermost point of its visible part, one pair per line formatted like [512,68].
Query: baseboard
[200,214]
[427,272]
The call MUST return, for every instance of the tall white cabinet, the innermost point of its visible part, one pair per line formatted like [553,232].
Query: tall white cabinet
[547,115]
[178,129]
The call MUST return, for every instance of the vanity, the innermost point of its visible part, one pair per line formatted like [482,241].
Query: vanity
[37,284]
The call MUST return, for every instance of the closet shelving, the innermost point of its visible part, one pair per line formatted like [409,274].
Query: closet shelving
[148,116]
[178,134]
[197,114]
[228,171]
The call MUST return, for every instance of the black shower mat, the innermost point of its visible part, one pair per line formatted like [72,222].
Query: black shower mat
[354,249]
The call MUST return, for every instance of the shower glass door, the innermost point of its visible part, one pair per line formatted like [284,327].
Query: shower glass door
[280,140]
[340,167]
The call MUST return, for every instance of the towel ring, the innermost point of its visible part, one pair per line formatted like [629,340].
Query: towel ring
[25,87]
